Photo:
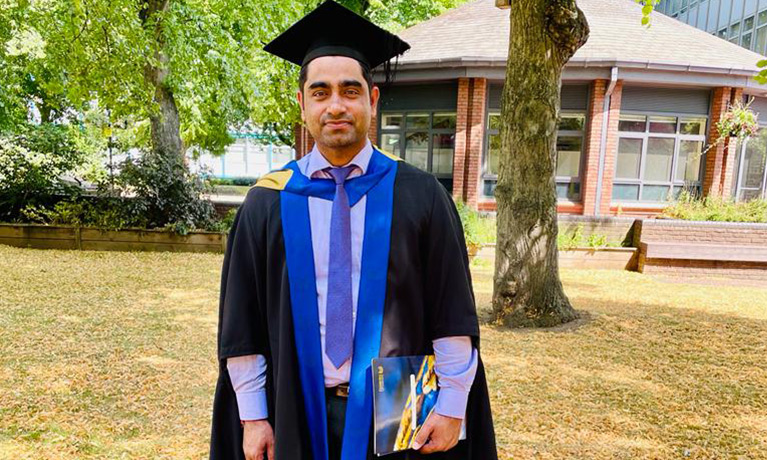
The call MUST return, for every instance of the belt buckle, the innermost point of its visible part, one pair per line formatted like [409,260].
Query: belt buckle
[342,390]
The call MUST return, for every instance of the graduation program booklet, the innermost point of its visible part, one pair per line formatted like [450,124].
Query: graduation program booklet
[404,394]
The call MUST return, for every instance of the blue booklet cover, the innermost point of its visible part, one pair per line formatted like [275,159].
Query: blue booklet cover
[404,394]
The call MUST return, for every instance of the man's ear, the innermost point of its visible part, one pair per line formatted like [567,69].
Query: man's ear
[300,98]
[375,94]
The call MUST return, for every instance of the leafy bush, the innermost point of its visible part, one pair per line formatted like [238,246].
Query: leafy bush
[105,213]
[225,223]
[597,240]
[575,239]
[570,240]
[690,207]
[246,181]
[471,222]
[41,166]
[164,194]
[32,164]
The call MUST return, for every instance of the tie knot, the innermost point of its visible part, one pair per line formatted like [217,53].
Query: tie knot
[340,174]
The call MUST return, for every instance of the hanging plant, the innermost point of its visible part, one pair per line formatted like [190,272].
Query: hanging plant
[739,121]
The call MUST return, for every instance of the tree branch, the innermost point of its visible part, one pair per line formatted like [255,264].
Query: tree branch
[567,26]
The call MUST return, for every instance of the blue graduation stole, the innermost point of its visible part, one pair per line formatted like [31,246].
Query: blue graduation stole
[378,184]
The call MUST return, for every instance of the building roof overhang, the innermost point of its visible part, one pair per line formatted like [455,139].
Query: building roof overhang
[632,72]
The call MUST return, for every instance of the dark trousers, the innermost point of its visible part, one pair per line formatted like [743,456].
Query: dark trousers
[336,408]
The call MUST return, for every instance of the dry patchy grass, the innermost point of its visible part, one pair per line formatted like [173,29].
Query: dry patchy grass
[111,355]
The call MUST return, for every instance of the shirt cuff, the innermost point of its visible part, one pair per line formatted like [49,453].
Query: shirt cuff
[452,403]
[252,405]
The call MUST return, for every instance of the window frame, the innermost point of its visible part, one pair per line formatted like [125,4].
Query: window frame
[672,183]
[403,130]
[739,178]
[485,176]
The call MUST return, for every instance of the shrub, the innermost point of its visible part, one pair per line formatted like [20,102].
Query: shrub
[470,222]
[575,239]
[225,223]
[32,164]
[572,239]
[241,181]
[105,213]
[164,194]
[690,207]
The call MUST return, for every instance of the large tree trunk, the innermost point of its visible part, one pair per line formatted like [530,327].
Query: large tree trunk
[527,289]
[164,120]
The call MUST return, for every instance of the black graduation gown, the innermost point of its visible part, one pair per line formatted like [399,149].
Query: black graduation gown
[428,296]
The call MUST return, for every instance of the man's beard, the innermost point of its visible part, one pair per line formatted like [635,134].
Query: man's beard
[341,138]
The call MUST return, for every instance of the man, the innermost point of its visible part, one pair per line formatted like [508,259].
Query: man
[341,257]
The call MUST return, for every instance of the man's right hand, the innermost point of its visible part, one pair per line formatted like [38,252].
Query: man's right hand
[258,440]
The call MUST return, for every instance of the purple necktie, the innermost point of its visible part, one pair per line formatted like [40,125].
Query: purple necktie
[338,332]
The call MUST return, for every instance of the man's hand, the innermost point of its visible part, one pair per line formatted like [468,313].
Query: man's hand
[258,440]
[438,434]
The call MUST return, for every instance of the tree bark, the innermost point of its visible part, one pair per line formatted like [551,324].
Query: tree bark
[164,119]
[527,291]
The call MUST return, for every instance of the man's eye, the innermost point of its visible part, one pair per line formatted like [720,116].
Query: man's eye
[319,93]
[352,92]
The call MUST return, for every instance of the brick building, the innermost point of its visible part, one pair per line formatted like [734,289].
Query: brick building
[639,106]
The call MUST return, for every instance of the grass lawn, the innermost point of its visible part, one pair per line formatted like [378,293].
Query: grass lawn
[111,355]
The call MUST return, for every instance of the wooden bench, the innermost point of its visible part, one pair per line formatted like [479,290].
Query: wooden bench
[700,251]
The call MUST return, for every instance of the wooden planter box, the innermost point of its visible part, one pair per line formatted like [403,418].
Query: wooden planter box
[66,237]
[602,258]
[606,258]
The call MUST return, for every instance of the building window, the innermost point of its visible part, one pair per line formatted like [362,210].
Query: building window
[748,26]
[658,156]
[569,155]
[760,46]
[751,168]
[735,33]
[422,138]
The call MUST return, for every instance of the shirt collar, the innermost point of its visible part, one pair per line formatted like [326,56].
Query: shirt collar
[317,162]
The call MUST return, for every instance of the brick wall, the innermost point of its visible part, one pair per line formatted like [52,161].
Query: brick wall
[477,116]
[715,233]
[373,130]
[304,140]
[715,157]
[469,139]
[461,140]
[618,230]
[595,121]
[751,271]
[726,233]
[611,150]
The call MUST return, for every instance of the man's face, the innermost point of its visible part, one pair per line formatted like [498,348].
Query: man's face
[336,104]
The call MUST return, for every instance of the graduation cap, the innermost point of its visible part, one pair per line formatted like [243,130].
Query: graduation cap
[332,30]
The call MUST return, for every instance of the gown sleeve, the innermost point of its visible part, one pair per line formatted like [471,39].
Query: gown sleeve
[448,291]
[242,322]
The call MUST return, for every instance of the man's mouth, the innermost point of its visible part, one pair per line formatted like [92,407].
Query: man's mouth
[335,124]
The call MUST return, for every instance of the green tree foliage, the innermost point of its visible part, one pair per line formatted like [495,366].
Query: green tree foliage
[66,54]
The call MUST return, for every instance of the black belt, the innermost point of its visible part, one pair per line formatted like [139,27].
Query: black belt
[341,391]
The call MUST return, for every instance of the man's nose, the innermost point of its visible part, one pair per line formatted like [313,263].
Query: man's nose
[336,105]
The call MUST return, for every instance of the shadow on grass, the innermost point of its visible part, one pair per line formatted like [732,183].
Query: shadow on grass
[634,379]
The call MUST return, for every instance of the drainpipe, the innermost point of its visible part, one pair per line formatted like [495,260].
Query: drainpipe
[603,142]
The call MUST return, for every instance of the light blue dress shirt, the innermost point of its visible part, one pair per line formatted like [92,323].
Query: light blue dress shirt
[455,358]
